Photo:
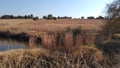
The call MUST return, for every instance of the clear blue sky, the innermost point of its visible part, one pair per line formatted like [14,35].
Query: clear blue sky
[74,8]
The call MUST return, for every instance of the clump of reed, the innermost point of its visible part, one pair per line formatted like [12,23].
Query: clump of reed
[68,39]
[80,57]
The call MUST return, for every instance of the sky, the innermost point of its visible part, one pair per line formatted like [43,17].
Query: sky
[73,8]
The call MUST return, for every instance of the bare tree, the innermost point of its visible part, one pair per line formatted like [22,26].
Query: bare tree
[112,26]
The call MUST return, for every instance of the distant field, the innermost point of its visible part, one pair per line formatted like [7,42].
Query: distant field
[31,26]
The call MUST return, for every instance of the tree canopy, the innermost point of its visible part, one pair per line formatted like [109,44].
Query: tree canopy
[18,17]
[112,25]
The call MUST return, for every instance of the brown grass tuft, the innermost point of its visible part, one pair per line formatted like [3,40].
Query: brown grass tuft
[85,57]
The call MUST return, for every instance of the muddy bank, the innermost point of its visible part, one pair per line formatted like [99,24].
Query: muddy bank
[33,41]
[18,37]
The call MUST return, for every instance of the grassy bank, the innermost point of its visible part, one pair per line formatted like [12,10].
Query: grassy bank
[82,57]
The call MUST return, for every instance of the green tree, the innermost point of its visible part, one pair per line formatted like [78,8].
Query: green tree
[99,17]
[44,17]
[58,17]
[31,15]
[82,17]
[91,17]
[35,18]
[50,16]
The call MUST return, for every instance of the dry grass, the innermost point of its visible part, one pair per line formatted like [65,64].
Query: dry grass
[83,57]
[78,57]
[31,27]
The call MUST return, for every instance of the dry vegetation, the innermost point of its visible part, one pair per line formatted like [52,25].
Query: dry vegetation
[83,57]
[77,57]
[80,56]
[29,26]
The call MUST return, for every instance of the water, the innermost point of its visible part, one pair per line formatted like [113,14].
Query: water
[9,44]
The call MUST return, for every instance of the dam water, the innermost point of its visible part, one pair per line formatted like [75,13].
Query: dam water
[9,44]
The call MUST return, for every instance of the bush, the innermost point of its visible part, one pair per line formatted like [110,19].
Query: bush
[75,31]
[54,18]
[44,17]
[50,16]
[35,18]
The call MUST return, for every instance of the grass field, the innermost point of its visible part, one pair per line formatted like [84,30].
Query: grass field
[30,26]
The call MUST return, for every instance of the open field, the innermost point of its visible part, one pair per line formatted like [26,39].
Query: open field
[29,26]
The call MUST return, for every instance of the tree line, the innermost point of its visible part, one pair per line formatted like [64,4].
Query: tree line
[51,17]
[99,17]
[48,17]
[92,17]
[18,17]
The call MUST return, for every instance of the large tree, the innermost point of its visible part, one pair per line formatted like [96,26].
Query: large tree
[112,25]
[50,16]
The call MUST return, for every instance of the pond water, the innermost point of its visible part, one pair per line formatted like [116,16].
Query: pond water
[8,44]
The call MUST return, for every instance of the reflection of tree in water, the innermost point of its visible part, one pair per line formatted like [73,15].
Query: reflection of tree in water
[7,44]
[35,42]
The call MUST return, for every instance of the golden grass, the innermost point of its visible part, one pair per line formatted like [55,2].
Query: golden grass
[78,57]
[82,57]
[29,26]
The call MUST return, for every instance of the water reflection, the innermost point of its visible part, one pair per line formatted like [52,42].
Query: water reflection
[8,44]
